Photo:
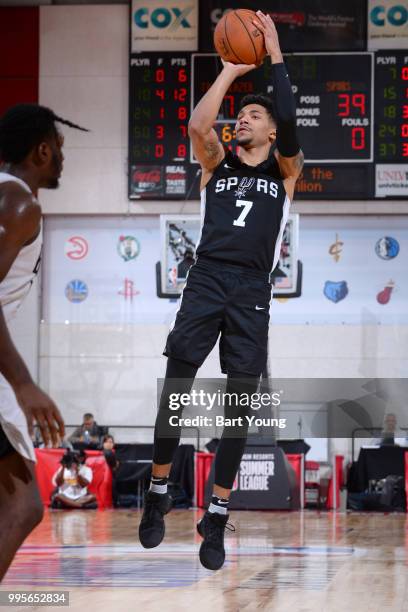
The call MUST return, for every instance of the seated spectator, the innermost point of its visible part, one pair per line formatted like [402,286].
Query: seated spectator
[87,434]
[108,448]
[72,480]
[390,434]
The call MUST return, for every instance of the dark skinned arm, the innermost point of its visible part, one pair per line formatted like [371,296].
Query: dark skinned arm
[20,217]
[59,479]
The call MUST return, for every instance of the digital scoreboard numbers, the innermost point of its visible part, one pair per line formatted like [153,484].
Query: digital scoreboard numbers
[355,141]
[333,106]
[333,102]
[391,107]
[159,107]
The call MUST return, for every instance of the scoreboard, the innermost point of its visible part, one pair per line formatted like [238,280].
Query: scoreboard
[352,114]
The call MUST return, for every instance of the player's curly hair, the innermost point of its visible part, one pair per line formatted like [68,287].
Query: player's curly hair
[262,100]
[26,126]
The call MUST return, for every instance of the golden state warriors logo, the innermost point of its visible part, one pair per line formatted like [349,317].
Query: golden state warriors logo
[128,247]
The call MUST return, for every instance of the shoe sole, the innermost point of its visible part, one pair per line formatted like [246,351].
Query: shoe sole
[163,533]
[202,561]
[200,552]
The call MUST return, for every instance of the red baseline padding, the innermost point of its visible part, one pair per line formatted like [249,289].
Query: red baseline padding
[48,462]
[203,467]
[334,502]
[406,478]
[202,470]
[295,461]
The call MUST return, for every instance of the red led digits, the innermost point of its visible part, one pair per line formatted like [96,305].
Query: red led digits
[347,101]
[345,105]
[358,138]
[159,76]
[230,101]
[182,76]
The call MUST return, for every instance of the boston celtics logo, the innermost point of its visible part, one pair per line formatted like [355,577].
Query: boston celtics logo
[128,247]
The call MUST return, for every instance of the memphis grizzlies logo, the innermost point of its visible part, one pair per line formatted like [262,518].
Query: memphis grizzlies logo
[335,292]
[387,247]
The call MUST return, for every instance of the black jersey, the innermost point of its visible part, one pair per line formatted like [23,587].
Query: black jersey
[244,210]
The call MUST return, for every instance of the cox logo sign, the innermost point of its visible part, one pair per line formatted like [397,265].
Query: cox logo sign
[396,15]
[163,17]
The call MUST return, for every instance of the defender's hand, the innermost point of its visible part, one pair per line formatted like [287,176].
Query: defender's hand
[266,25]
[237,69]
[38,407]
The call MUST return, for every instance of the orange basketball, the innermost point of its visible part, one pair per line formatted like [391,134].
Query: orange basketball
[238,40]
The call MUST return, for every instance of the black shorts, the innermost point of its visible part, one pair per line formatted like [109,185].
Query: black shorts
[226,300]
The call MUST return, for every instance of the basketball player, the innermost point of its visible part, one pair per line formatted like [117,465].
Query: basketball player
[31,158]
[245,203]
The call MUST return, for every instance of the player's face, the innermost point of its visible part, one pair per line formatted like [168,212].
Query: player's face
[254,126]
[53,161]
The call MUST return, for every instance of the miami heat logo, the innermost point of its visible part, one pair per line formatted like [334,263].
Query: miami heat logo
[245,184]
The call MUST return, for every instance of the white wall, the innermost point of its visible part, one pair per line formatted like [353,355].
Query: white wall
[24,329]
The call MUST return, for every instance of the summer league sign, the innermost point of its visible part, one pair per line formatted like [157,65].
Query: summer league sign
[164,26]
[387,24]
[315,25]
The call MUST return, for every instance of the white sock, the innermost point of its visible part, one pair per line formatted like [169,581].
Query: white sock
[218,505]
[158,485]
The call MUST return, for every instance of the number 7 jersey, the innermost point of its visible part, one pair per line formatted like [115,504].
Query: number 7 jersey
[244,210]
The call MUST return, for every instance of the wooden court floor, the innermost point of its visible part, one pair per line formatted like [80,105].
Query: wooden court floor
[287,562]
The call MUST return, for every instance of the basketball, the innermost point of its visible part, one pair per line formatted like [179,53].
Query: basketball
[238,40]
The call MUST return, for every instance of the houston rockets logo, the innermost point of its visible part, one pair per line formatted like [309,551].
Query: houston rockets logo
[128,290]
[76,247]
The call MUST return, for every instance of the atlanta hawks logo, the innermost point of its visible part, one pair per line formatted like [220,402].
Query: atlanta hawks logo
[244,185]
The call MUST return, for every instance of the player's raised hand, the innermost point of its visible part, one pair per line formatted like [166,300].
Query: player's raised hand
[39,407]
[266,25]
[238,69]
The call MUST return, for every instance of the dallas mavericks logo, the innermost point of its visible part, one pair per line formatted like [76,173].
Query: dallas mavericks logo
[245,184]
[387,247]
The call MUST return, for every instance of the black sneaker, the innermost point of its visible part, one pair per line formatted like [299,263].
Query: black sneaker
[152,528]
[211,528]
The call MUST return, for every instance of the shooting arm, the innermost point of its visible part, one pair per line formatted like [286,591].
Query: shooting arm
[289,154]
[206,146]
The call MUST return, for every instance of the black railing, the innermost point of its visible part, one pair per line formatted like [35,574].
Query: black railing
[372,430]
[108,427]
